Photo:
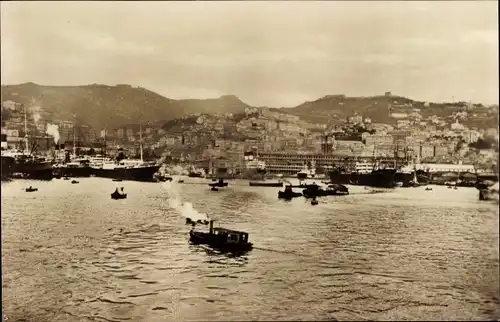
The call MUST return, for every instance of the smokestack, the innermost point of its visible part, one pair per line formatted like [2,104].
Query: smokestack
[211,229]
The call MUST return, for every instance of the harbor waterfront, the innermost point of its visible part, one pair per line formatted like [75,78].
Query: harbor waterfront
[70,253]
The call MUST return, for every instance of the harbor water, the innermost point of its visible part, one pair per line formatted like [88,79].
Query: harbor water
[71,253]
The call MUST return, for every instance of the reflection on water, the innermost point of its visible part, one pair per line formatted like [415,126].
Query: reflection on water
[70,253]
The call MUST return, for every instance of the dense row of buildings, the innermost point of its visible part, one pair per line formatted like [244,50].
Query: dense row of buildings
[265,132]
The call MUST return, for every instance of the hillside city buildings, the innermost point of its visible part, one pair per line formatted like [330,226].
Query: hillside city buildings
[269,134]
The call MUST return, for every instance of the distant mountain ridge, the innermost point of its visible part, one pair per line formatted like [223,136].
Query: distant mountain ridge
[380,108]
[104,106]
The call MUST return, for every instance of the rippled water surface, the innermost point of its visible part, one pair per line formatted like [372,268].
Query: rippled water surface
[70,253]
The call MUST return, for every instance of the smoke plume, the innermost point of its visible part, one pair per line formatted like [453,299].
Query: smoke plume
[53,130]
[184,209]
[35,110]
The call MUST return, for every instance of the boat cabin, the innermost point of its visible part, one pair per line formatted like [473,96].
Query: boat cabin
[230,236]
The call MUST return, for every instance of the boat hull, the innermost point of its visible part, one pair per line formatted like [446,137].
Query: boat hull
[80,172]
[28,169]
[266,184]
[377,178]
[7,166]
[132,174]
[288,195]
[487,195]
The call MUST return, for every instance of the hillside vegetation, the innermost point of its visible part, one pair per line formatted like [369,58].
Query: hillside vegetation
[112,106]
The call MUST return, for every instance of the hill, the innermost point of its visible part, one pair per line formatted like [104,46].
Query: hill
[334,108]
[103,106]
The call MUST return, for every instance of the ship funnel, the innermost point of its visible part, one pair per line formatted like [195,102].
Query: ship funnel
[211,229]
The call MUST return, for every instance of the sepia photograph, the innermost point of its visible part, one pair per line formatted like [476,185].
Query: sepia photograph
[249,161]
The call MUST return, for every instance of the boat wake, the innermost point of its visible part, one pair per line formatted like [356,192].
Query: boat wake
[282,252]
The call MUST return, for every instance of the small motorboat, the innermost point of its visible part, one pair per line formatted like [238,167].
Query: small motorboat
[428,189]
[31,189]
[118,195]
[222,239]
[66,178]
[117,180]
[74,181]
[180,181]
[314,202]
[214,189]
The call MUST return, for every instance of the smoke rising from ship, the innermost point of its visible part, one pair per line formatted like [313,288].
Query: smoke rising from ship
[53,130]
[184,209]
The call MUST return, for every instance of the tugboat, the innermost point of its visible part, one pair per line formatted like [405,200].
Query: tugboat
[222,239]
[428,189]
[31,189]
[117,195]
[288,194]
[220,183]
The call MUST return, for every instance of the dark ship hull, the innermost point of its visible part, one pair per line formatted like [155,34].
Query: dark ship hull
[265,184]
[7,166]
[73,172]
[32,169]
[377,178]
[407,179]
[133,174]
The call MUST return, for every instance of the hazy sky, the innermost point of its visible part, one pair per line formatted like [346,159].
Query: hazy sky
[266,53]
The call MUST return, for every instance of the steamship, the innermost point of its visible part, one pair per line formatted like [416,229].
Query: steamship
[364,174]
[254,168]
[73,166]
[26,164]
[127,169]
[7,160]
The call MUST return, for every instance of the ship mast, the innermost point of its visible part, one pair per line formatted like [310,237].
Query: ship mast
[140,141]
[26,148]
[74,141]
